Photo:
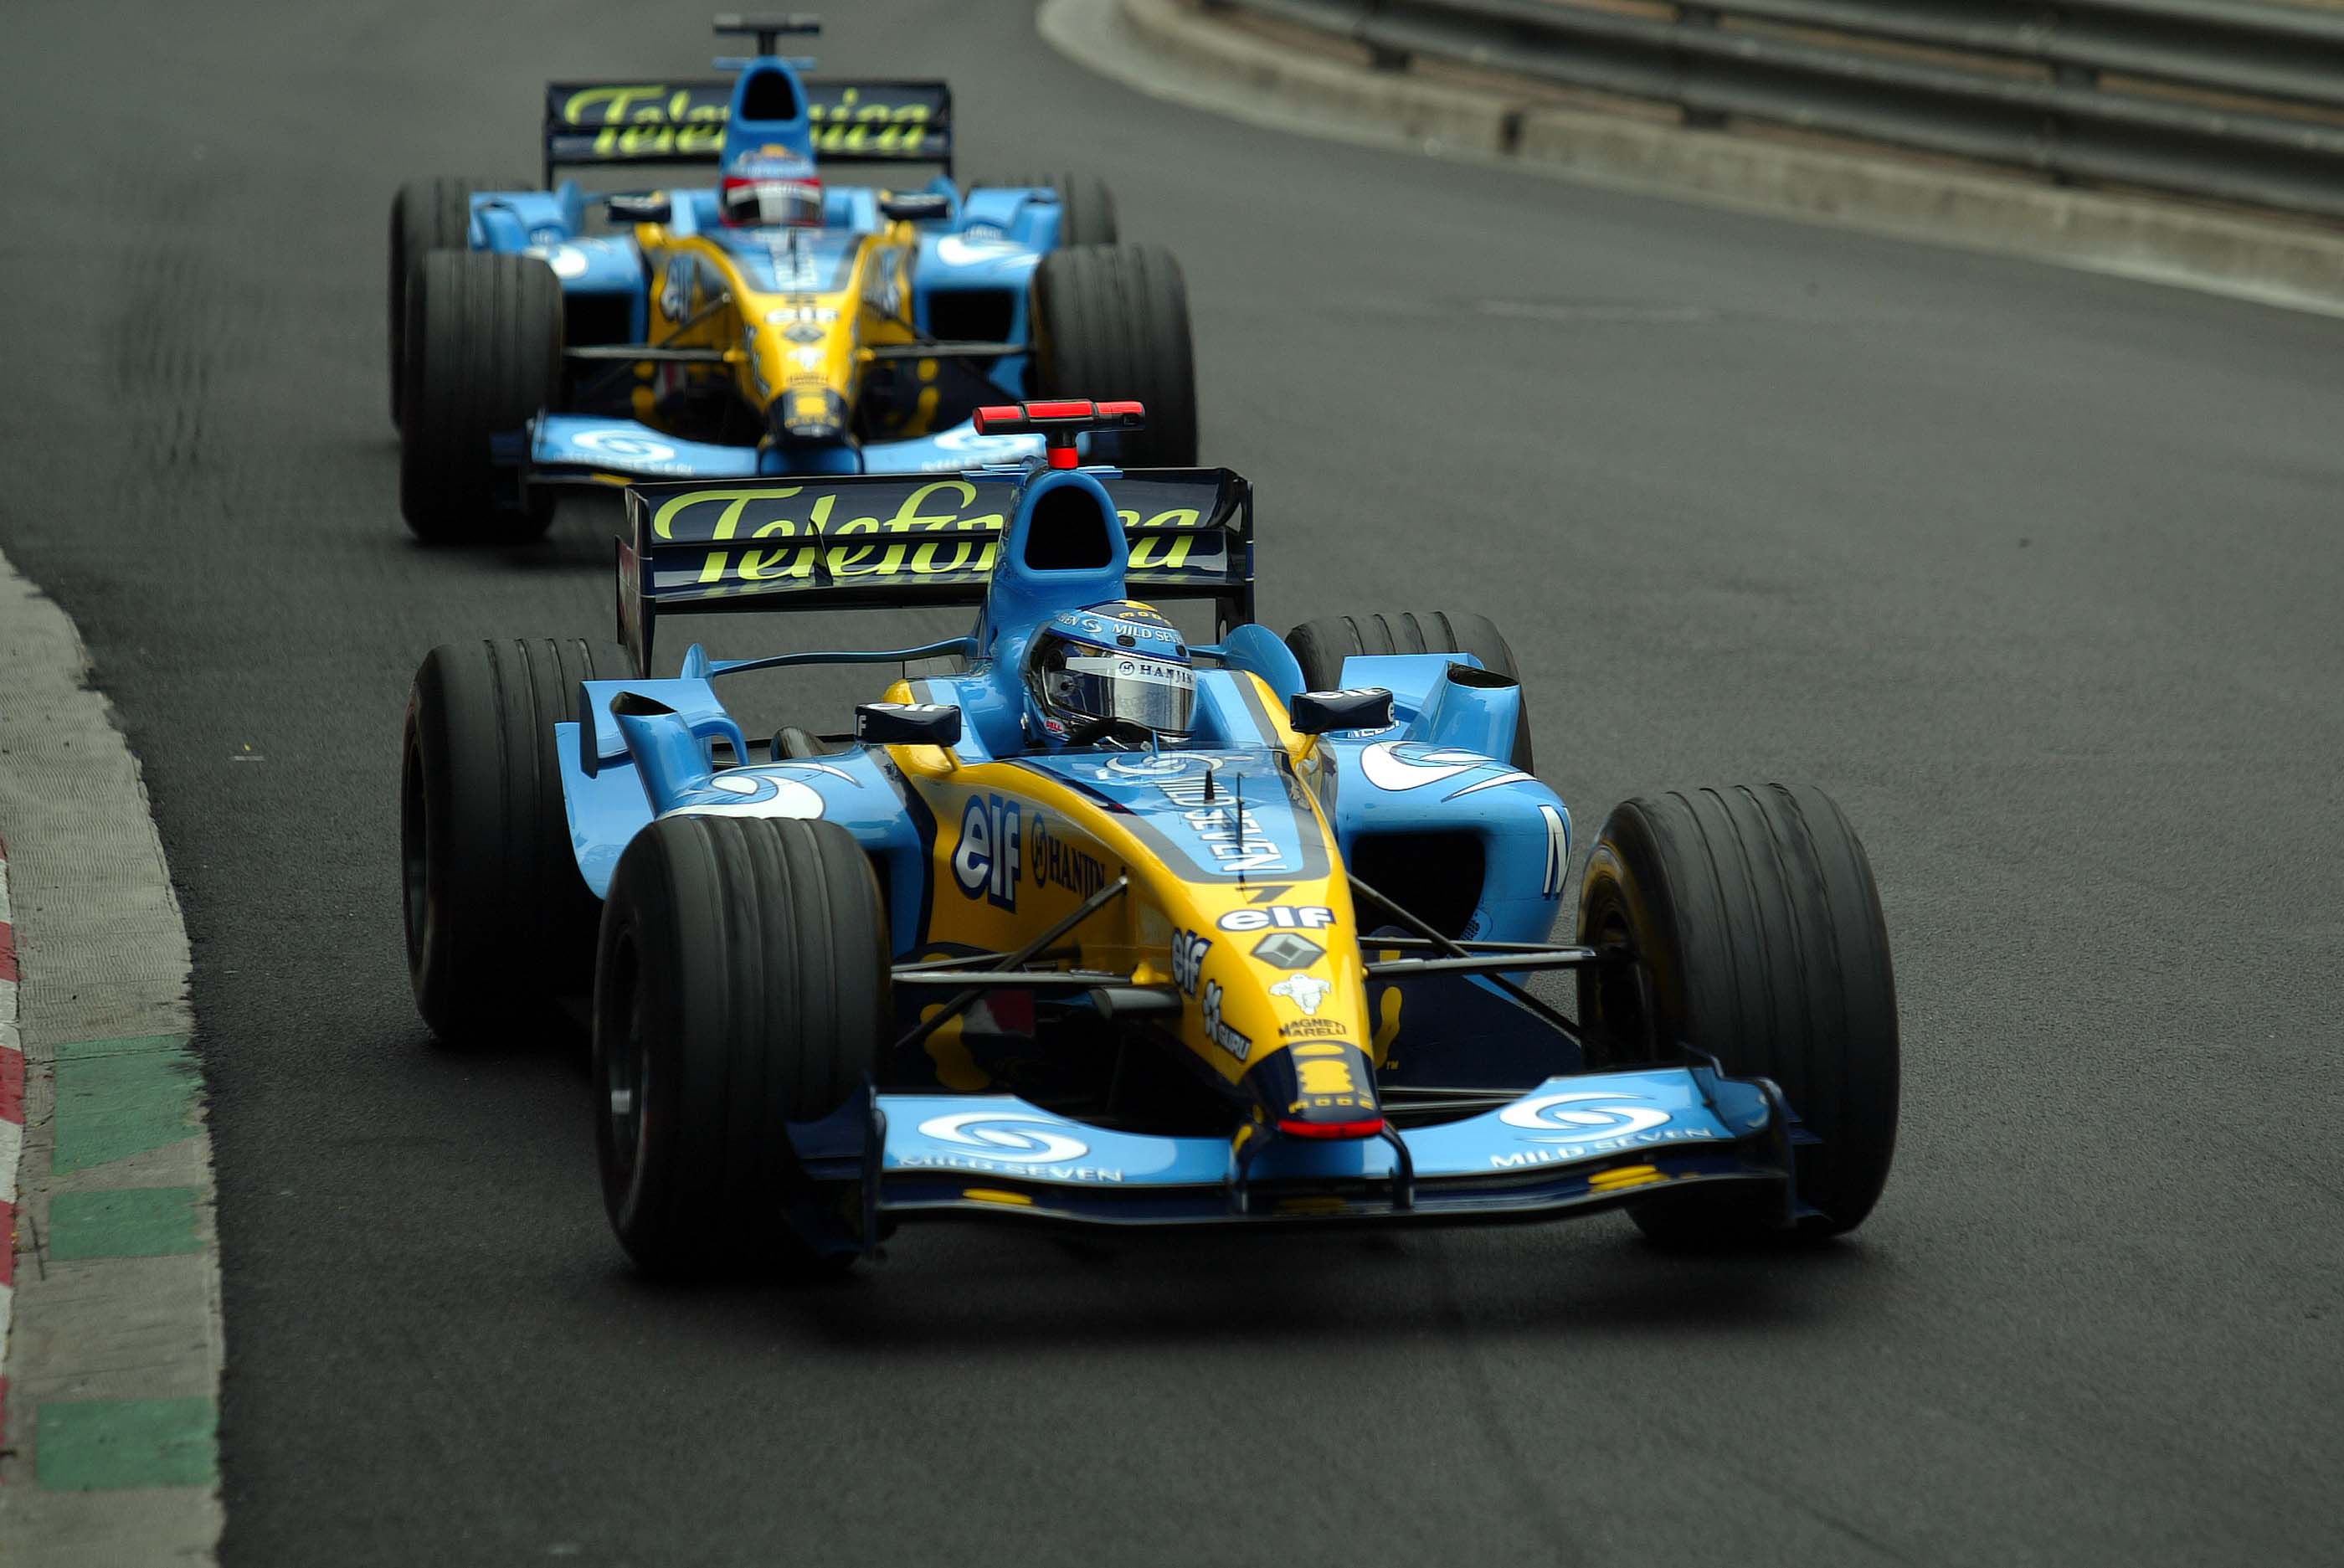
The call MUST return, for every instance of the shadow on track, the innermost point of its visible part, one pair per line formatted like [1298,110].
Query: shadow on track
[1001,1291]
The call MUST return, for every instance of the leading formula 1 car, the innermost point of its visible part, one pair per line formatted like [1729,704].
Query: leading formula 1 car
[772,322]
[1104,925]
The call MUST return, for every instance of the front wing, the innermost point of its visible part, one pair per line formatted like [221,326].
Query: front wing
[577,448]
[1573,1142]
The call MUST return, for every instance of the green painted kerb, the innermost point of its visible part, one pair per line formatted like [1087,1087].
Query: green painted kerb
[99,1445]
[122,1222]
[121,1097]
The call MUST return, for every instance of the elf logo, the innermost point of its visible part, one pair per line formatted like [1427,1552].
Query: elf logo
[1188,951]
[985,863]
[1280,917]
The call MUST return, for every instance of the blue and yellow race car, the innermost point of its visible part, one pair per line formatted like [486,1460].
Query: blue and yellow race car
[771,322]
[1100,920]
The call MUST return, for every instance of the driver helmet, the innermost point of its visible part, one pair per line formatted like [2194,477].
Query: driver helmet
[771,187]
[1116,673]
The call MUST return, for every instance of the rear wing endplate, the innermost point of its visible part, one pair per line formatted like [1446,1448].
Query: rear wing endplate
[646,122]
[881,541]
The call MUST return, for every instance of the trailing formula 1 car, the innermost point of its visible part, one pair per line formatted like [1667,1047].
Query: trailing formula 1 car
[1105,924]
[772,322]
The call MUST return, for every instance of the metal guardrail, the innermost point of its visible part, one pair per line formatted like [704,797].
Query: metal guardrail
[2216,98]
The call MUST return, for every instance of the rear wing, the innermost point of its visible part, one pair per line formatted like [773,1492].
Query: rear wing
[881,540]
[620,122]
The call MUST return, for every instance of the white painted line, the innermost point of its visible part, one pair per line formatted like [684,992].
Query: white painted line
[12,1149]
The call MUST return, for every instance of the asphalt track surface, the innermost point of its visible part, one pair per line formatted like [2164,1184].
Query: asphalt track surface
[2038,572]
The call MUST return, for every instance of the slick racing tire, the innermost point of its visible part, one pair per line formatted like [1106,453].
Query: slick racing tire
[1111,321]
[500,923]
[483,356]
[428,215]
[742,984]
[1085,208]
[1754,912]
[1321,646]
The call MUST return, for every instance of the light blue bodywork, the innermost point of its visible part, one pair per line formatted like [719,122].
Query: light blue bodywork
[988,238]
[1571,1141]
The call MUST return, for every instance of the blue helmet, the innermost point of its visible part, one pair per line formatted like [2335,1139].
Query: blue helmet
[1117,672]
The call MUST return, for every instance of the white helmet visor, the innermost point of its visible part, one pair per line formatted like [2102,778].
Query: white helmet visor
[1148,693]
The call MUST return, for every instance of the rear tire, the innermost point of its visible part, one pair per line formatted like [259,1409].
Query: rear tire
[483,356]
[742,984]
[428,215]
[1111,321]
[1085,206]
[1755,911]
[790,742]
[1321,646]
[500,923]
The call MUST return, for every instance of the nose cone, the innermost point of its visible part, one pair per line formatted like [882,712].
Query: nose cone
[808,411]
[1323,1088]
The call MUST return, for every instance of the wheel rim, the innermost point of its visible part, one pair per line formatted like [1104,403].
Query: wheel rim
[626,1069]
[415,857]
[1618,989]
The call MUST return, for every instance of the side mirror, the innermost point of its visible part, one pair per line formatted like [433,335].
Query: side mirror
[907,724]
[653,208]
[1361,708]
[917,206]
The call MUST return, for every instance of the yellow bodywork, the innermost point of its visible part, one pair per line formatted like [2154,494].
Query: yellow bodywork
[804,348]
[1071,847]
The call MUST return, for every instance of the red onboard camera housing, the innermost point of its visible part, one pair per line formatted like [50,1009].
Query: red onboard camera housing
[1059,422]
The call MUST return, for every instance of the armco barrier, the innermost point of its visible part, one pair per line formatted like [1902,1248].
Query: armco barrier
[2214,98]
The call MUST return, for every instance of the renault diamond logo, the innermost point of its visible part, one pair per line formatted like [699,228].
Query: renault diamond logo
[1285,950]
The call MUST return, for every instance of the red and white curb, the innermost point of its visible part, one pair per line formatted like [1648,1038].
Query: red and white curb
[12,1125]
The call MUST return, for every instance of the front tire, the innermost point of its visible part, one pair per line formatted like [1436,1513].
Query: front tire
[1111,321]
[1085,206]
[742,984]
[483,356]
[1321,646]
[1754,912]
[501,925]
[427,215]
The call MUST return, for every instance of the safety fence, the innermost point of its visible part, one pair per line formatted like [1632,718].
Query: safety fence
[2221,99]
